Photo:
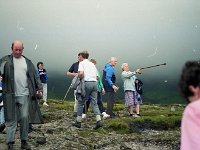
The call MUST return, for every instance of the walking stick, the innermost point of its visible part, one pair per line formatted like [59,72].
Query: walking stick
[67,92]
[153,66]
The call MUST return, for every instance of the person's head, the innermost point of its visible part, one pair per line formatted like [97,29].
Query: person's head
[40,65]
[113,61]
[80,58]
[189,82]
[84,54]
[17,49]
[125,67]
[93,61]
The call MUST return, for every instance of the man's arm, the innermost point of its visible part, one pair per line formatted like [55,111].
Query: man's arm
[71,71]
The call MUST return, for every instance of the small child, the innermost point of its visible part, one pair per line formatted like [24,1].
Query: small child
[2,119]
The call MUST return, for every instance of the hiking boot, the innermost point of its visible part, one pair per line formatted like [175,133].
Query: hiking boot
[25,145]
[99,124]
[45,104]
[10,146]
[77,124]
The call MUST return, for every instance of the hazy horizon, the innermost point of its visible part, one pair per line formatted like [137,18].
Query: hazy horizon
[139,32]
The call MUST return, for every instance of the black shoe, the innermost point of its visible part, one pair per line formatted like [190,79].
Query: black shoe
[2,127]
[99,124]
[10,146]
[25,145]
[30,128]
[77,124]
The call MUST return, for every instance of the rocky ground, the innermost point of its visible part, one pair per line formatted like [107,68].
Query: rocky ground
[57,133]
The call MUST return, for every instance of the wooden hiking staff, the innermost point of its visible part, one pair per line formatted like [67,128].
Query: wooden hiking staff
[153,66]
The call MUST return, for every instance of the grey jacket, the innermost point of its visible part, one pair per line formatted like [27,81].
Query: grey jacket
[34,84]
[79,85]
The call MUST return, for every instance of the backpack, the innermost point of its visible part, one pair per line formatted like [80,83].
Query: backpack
[138,86]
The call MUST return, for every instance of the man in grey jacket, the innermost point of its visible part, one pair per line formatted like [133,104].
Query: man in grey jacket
[21,86]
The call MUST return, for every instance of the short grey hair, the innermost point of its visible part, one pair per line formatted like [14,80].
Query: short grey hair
[124,64]
[112,58]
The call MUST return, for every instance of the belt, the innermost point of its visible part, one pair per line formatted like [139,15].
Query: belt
[90,81]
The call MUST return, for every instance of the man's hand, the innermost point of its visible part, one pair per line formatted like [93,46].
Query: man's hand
[39,94]
[115,88]
[103,91]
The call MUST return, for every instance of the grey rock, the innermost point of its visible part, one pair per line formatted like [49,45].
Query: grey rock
[41,140]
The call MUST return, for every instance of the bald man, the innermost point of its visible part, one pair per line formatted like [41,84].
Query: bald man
[20,85]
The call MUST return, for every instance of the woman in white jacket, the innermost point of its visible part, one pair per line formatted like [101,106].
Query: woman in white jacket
[131,96]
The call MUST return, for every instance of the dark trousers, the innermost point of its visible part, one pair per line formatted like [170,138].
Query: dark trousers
[110,96]
[99,103]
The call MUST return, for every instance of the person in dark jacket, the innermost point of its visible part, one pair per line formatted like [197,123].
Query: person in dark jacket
[43,78]
[109,80]
[2,118]
[21,85]
[73,71]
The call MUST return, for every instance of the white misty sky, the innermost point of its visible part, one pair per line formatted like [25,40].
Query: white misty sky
[140,32]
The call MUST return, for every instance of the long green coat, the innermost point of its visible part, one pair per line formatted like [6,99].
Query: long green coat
[34,84]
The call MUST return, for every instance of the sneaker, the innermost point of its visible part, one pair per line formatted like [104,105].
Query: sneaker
[135,115]
[25,145]
[103,113]
[139,115]
[99,124]
[10,146]
[106,116]
[45,104]
[77,124]
[83,116]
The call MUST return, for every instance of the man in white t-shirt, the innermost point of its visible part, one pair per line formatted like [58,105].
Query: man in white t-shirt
[20,85]
[88,72]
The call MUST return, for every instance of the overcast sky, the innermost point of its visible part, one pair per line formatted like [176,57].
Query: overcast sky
[140,32]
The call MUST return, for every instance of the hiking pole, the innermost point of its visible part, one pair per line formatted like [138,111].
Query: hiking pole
[153,66]
[67,92]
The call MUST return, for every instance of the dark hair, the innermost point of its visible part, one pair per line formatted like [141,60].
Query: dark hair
[39,64]
[190,76]
[84,54]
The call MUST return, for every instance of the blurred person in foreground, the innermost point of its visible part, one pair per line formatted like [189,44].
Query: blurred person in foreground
[189,85]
